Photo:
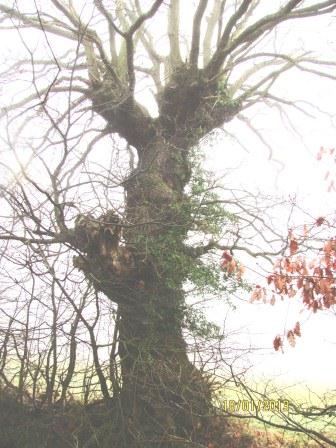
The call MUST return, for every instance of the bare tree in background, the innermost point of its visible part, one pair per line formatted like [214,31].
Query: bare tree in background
[111,206]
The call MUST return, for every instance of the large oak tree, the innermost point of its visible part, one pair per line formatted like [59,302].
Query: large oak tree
[160,85]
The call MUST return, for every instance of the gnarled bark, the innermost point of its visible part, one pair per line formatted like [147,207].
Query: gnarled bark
[164,399]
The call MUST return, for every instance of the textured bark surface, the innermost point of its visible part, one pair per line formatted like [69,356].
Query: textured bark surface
[163,396]
[163,392]
[164,399]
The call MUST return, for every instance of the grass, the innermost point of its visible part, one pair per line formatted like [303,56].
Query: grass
[78,426]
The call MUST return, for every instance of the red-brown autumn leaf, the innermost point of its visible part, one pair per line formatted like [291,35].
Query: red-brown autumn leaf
[297,329]
[240,271]
[293,247]
[227,261]
[277,343]
[270,279]
[299,283]
[231,266]
[324,286]
[226,256]
[280,284]
[320,221]
[291,338]
[258,293]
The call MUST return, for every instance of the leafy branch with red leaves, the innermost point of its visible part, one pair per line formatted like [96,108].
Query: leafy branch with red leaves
[299,273]
[295,275]
[313,279]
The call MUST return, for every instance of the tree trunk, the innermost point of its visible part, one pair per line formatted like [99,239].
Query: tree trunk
[164,397]
[164,400]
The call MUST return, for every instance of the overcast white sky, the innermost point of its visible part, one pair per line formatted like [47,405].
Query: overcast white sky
[313,360]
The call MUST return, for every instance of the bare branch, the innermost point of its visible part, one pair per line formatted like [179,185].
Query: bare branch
[130,44]
[251,33]
[196,33]
[212,22]
[174,34]
[63,30]
[226,34]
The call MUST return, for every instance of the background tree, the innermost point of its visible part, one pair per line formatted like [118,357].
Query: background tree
[123,223]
